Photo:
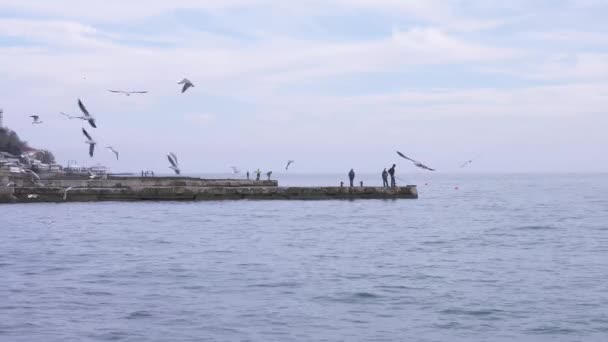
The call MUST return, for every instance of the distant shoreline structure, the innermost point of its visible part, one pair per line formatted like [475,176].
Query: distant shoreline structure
[121,188]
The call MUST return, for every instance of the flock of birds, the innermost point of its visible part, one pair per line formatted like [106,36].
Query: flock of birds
[171,157]
[88,117]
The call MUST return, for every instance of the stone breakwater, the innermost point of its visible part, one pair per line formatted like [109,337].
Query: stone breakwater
[183,189]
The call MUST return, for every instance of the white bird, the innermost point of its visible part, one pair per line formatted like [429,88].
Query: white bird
[32,196]
[92,175]
[33,174]
[235,170]
[86,115]
[65,193]
[36,120]
[187,84]
[111,149]
[128,93]
[174,165]
[417,163]
[89,141]
[289,162]
[10,184]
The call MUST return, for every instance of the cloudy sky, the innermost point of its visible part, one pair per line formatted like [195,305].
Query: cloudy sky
[517,85]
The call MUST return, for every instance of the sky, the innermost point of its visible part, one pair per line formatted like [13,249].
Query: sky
[517,86]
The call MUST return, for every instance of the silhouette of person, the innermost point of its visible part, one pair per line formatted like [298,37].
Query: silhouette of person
[391,172]
[351,176]
[385,178]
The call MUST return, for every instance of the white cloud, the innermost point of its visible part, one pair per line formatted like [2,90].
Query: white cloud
[263,90]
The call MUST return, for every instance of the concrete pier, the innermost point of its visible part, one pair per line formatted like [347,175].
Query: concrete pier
[183,189]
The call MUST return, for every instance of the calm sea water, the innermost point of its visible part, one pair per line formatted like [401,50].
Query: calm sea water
[501,258]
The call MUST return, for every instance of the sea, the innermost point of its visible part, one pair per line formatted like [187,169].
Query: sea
[478,257]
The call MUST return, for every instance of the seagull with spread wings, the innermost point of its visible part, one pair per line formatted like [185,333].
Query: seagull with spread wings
[113,150]
[289,162]
[187,84]
[467,163]
[174,164]
[417,163]
[36,119]
[128,93]
[86,116]
[89,141]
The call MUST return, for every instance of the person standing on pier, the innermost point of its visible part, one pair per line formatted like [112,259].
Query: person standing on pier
[247,174]
[351,176]
[385,178]
[391,172]
[257,174]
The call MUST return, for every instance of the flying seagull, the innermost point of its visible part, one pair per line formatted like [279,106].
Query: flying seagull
[32,173]
[69,116]
[467,163]
[35,178]
[65,193]
[89,141]
[174,165]
[187,84]
[128,93]
[36,120]
[111,149]
[86,116]
[417,163]
[235,170]
[92,175]
[289,162]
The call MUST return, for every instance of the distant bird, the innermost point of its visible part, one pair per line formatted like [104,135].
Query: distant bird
[174,157]
[33,174]
[467,163]
[235,170]
[92,175]
[69,116]
[89,141]
[174,165]
[10,184]
[269,173]
[187,84]
[65,193]
[36,120]
[86,115]
[32,196]
[417,163]
[289,162]
[111,149]
[128,93]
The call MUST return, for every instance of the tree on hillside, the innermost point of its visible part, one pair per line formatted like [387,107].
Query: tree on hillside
[10,142]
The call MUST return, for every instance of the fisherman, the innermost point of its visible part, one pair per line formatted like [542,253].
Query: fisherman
[257,174]
[385,178]
[269,173]
[351,176]
[247,174]
[391,172]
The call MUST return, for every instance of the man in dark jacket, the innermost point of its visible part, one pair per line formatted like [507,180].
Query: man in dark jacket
[351,176]
[391,172]
[385,178]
